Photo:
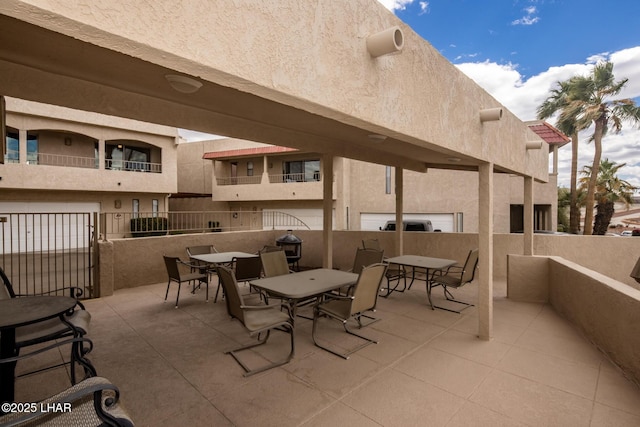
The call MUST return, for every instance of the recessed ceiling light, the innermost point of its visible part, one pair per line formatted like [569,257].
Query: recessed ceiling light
[183,84]
[454,159]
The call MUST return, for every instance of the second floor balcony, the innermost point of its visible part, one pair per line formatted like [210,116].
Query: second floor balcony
[291,186]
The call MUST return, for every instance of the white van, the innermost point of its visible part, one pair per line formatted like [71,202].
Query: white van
[409,225]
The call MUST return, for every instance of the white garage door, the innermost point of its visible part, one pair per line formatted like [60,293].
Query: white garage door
[42,226]
[374,221]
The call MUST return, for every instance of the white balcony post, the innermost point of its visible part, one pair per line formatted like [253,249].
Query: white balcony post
[264,179]
[22,146]
[101,154]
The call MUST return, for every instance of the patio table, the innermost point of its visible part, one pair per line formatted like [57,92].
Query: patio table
[299,286]
[16,312]
[221,257]
[429,264]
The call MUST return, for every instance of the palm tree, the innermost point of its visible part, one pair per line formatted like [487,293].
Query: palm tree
[589,102]
[558,101]
[609,189]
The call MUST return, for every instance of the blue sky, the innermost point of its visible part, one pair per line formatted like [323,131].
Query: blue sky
[518,49]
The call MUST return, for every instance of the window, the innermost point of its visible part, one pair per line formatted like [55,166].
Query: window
[301,171]
[32,149]
[13,148]
[119,156]
[135,208]
[387,180]
[249,168]
[154,207]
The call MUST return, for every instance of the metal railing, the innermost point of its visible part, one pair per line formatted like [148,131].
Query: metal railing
[44,252]
[295,177]
[68,161]
[132,166]
[239,180]
[145,224]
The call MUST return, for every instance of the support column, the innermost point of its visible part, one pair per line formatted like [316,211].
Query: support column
[264,179]
[327,211]
[22,146]
[485,245]
[399,235]
[101,154]
[528,215]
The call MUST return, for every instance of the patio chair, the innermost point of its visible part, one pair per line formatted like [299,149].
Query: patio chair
[76,325]
[270,248]
[257,319]
[455,277]
[92,402]
[344,308]
[363,258]
[394,272]
[176,275]
[201,250]
[274,263]
[246,269]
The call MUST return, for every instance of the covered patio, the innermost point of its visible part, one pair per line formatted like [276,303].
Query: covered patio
[429,368]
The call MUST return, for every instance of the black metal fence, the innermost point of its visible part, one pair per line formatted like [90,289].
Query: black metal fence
[45,252]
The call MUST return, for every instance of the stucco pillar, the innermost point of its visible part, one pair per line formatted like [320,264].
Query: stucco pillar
[555,159]
[22,146]
[528,215]
[327,210]
[399,235]
[485,263]
[101,154]
[265,171]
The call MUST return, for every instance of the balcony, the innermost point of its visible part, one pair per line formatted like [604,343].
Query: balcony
[429,368]
[296,186]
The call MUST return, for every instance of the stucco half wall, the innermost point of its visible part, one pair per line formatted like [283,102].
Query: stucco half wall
[606,311]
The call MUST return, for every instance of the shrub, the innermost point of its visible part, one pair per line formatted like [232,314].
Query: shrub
[144,227]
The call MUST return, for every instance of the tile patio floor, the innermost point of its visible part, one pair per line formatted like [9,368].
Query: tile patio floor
[429,368]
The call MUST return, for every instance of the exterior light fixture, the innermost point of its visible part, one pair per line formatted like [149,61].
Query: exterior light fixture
[375,137]
[454,159]
[490,114]
[183,84]
[388,41]
[533,145]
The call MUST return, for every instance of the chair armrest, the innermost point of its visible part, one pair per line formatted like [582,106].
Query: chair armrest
[50,347]
[330,295]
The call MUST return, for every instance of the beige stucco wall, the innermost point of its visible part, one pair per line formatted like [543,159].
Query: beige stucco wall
[309,55]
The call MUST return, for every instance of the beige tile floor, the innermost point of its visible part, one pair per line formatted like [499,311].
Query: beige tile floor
[429,368]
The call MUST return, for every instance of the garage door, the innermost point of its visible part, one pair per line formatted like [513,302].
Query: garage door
[374,221]
[41,226]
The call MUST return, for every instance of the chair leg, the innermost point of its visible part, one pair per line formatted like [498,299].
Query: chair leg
[178,296]
[248,371]
[167,293]
[449,297]
[344,324]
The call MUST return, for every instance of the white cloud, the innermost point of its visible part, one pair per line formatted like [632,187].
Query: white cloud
[523,96]
[424,7]
[396,4]
[529,18]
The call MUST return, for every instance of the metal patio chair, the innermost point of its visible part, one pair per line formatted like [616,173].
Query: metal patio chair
[175,274]
[455,277]
[345,308]
[259,320]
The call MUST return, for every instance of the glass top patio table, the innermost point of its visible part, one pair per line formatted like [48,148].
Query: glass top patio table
[305,284]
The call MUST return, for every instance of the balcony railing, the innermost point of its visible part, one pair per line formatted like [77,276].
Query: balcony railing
[133,166]
[239,180]
[294,177]
[67,161]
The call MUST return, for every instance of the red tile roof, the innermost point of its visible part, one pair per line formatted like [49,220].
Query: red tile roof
[548,133]
[244,152]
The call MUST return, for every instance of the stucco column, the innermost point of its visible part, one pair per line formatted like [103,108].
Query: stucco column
[327,208]
[22,146]
[101,154]
[485,241]
[528,215]
[399,235]
[265,170]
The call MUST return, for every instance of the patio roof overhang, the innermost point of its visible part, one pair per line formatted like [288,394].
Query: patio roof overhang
[83,59]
